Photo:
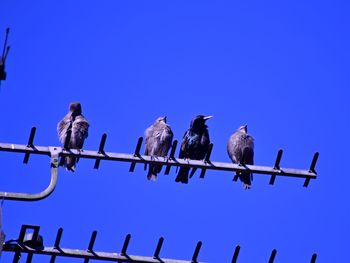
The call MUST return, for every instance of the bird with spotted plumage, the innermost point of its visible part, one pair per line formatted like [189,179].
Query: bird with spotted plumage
[75,126]
[240,149]
[159,137]
[195,144]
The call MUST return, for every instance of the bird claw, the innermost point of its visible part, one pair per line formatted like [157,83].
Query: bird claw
[247,186]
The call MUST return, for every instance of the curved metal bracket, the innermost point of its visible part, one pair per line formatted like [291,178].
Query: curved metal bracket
[54,152]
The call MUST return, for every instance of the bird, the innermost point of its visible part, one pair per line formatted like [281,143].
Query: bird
[240,149]
[159,137]
[195,144]
[73,127]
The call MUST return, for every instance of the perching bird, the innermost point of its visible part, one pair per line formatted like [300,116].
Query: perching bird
[240,149]
[75,124]
[195,144]
[159,138]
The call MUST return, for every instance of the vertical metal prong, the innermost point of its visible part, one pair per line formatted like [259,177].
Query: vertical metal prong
[57,243]
[273,255]
[92,241]
[207,156]
[313,258]
[58,238]
[137,153]
[312,168]
[126,244]
[276,166]
[91,245]
[30,144]
[196,252]
[171,156]
[101,150]
[235,254]
[306,182]
[206,160]
[158,248]
[313,163]
[5,42]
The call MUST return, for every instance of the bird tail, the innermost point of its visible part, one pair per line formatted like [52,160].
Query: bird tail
[247,158]
[246,178]
[182,176]
[70,163]
[153,171]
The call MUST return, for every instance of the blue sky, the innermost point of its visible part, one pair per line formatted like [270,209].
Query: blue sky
[280,67]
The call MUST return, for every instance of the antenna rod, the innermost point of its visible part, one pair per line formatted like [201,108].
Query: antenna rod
[5,44]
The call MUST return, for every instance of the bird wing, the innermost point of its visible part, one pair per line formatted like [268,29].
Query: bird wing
[80,128]
[240,148]
[148,139]
[62,128]
[205,140]
[166,138]
[184,145]
[248,150]
[234,147]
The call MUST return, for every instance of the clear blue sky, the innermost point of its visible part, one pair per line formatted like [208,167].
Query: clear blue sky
[282,67]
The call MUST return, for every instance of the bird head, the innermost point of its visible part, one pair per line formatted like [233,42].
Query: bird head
[75,108]
[243,128]
[199,121]
[161,119]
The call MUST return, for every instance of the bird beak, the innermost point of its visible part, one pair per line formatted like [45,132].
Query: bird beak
[164,118]
[207,117]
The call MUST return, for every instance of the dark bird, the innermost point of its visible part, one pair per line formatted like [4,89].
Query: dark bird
[240,149]
[195,145]
[159,138]
[73,127]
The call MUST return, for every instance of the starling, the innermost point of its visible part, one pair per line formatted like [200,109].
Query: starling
[73,127]
[240,149]
[195,145]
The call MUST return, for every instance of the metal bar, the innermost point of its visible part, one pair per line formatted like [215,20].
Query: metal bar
[20,240]
[171,156]
[30,144]
[29,258]
[158,248]
[57,243]
[313,163]
[136,154]
[38,196]
[196,252]
[110,156]
[207,160]
[235,254]
[101,150]
[58,237]
[276,166]
[92,241]
[35,235]
[101,256]
[313,258]
[273,255]
[5,43]
[126,244]
[312,168]
[91,244]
